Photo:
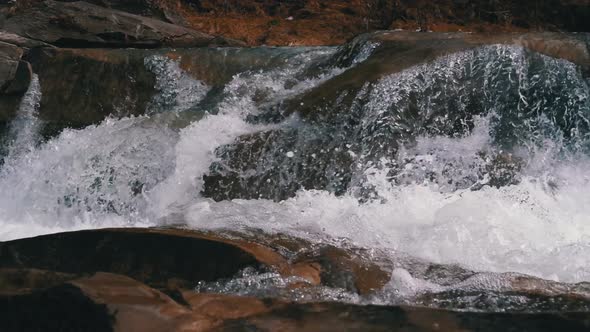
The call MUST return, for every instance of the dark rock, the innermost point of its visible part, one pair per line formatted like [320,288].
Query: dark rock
[83,87]
[22,79]
[152,257]
[105,302]
[347,270]
[396,51]
[32,299]
[17,281]
[62,308]
[80,24]
[334,140]
[172,258]
[15,76]
[260,165]
[20,41]
[342,317]
[8,107]
[10,56]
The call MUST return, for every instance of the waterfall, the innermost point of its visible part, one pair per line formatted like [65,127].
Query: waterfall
[478,158]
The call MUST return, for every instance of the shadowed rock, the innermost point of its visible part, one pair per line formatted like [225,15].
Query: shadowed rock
[106,302]
[73,292]
[173,258]
[156,258]
[83,87]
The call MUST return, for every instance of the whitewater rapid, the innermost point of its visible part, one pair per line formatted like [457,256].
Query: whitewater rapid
[141,171]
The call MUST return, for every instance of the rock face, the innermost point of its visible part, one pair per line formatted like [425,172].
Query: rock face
[80,24]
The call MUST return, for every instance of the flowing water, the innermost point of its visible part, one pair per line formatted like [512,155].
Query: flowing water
[478,159]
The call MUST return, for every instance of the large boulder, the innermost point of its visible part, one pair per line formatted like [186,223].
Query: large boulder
[144,280]
[157,258]
[81,24]
[153,256]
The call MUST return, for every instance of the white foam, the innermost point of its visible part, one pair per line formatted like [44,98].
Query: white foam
[522,228]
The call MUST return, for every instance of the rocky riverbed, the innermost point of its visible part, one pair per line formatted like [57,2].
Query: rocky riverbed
[161,170]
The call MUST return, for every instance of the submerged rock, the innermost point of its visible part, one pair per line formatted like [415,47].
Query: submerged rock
[398,88]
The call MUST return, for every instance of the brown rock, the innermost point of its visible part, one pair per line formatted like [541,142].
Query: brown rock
[21,80]
[99,83]
[135,306]
[17,281]
[10,56]
[20,41]
[80,24]
[149,256]
[15,76]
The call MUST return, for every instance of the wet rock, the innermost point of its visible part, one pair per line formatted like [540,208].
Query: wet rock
[137,307]
[159,298]
[106,302]
[320,265]
[396,51]
[80,24]
[61,308]
[150,256]
[352,121]
[261,166]
[122,82]
[100,83]
[347,270]
[172,259]
[17,281]
[15,76]
[11,69]
[341,317]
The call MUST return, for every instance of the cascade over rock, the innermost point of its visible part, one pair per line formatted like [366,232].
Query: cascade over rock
[383,183]
[338,125]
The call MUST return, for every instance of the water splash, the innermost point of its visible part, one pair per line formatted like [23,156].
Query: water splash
[177,91]
[406,137]
[24,129]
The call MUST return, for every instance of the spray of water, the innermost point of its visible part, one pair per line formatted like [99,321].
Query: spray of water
[434,195]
